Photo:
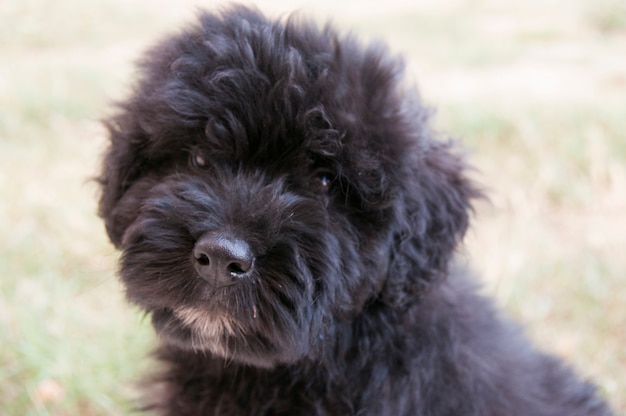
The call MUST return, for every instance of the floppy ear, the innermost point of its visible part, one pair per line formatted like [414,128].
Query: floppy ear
[433,216]
[119,169]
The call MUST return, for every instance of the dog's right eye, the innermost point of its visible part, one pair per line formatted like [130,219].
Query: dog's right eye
[197,160]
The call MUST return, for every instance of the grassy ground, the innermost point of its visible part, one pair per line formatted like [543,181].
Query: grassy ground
[535,88]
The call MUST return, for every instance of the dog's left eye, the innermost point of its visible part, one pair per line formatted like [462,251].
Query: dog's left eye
[326,182]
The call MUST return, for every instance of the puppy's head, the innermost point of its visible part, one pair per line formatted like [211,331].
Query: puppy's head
[268,180]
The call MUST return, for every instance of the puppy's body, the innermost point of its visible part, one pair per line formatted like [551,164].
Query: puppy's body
[447,356]
[289,222]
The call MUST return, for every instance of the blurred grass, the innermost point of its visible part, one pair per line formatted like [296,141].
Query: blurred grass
[535,89]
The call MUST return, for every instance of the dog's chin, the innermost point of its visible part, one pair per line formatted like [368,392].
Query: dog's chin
[206,332]
[191,328]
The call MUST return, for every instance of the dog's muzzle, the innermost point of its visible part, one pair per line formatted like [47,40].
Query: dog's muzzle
[221,259]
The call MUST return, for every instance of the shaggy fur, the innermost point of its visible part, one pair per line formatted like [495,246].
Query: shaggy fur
[288,220]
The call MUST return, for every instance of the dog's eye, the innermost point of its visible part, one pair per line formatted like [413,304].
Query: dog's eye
[197,160]
[326,182]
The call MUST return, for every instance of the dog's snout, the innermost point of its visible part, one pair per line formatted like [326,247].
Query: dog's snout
[221,259]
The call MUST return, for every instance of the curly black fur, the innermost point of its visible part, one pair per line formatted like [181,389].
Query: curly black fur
[305,149]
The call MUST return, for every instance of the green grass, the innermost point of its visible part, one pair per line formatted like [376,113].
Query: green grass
[549,245]
[608,16]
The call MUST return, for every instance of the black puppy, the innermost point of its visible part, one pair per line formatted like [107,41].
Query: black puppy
[288,220]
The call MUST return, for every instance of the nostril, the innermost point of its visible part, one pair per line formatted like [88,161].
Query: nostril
[237,269]
[203,259]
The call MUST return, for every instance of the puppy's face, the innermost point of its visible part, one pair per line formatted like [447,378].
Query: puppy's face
[257,184]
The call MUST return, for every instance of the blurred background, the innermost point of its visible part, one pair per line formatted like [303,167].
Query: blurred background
[535,88]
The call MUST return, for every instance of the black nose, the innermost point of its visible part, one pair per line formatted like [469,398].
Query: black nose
[221,259]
